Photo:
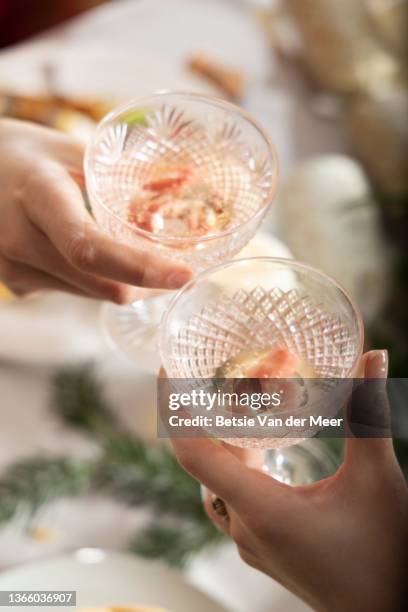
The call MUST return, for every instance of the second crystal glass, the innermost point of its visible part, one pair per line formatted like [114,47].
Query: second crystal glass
[282,323]
[187,176]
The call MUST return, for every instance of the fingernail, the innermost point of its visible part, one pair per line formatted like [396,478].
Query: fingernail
[203,493]
[178,279]
[377,364]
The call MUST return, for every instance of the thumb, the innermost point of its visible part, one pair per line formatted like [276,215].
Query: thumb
[369,435]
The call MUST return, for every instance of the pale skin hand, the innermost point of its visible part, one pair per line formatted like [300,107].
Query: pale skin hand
[47,238]
[340,544]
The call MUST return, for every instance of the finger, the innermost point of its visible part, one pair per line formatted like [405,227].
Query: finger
[369,417]
[58,210]
[41,254]
[25,280]
[221,472]
[251,457]
[249,558]
[368,413]
[57,145]
[211,505]
[70,153]
[209,461]
[227,521]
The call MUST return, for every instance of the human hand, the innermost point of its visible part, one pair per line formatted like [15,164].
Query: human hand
[340,544]
[47,238]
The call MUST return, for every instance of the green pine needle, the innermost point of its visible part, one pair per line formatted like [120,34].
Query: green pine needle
[149,474]
[136,472]
[176,544]
[79,400]
[32,483]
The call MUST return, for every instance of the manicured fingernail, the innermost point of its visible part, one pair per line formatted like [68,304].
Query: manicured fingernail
[178,279]
[203,493]
[377,364]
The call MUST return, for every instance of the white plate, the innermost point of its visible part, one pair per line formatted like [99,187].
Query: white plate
[102,578]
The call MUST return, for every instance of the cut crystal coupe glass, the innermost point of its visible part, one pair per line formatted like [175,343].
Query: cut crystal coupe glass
[186,176]
[268,318]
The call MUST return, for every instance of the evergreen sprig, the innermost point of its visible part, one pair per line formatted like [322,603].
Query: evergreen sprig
[30,484]
[79,400]
[149,474]
[127,468]
[175,543]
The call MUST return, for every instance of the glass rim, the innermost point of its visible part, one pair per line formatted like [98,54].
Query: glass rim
[207,99]
[281,261]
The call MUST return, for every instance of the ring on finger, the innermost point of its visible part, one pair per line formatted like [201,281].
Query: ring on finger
[219,507]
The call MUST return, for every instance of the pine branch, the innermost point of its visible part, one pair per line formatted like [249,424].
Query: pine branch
[135,472]
[78,399]
[176,544]
[140,473]
[128,468]
[31,484]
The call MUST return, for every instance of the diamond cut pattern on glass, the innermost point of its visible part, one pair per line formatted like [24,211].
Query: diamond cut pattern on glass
[258,320]
[126,155]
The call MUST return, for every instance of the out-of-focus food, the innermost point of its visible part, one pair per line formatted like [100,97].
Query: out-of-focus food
[94,109]
[278,362]
[176,200]
[230,81]
[76,117]
[73,123]
[43,534]
[33,107]
[5,294]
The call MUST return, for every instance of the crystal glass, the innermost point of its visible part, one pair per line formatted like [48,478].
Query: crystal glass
[237,318]
[187,176]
